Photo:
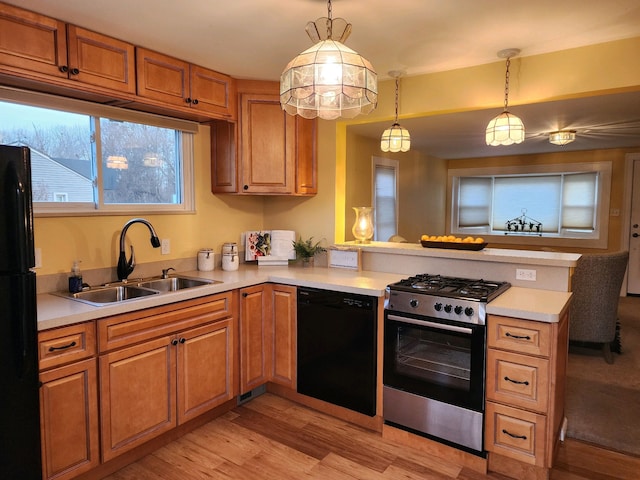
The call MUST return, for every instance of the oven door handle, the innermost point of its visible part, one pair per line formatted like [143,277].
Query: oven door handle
[439,326]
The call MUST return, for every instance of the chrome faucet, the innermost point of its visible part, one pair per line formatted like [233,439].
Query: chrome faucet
[125,267]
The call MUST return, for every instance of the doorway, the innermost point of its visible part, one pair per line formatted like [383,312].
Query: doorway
[633,273]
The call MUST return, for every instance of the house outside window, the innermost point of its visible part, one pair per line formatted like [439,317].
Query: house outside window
[88,158]
[533,204]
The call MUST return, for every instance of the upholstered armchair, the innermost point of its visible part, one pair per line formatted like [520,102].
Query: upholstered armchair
[596,284]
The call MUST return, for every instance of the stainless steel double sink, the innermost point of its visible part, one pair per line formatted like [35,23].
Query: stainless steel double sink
[121,292]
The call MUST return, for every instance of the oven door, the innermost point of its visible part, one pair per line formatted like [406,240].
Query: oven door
[434,358]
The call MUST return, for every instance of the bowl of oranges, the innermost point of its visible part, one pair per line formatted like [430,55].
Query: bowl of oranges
[453,242]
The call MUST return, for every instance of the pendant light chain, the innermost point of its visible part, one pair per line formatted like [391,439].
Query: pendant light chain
[397,83]
[329,22]
[506,85]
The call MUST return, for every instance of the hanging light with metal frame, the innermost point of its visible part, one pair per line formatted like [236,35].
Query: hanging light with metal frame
[506,128]
[328,80]
[395,138]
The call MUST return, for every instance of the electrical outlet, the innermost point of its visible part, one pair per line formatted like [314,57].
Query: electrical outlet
[165,246]
[38,257]
[523,274]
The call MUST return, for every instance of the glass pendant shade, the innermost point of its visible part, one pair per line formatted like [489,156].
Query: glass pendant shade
[505,129]
[395,139]
[363,227]
[562,137]
[329,80]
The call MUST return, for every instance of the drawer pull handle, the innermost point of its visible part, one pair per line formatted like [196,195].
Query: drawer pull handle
[521,437]
[62,347]
[516,381]
[518,337]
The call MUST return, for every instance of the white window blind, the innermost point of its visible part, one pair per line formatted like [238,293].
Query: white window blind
[385,199]
[474,201]
[579,201]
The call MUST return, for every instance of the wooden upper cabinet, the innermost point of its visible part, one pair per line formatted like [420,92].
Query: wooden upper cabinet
[32,42]
[267,145]
[102,61]
[276,152]
[39,47]
[306,156]
[176,82]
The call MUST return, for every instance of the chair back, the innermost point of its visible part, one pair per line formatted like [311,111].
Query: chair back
[596,284]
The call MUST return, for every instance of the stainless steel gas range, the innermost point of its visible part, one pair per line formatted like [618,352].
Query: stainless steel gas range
[434,357]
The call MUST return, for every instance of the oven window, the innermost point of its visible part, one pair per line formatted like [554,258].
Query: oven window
[436,363]
[436,357]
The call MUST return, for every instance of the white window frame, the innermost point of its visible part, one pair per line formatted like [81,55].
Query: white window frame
[186,144]
[598,238]
[395,166]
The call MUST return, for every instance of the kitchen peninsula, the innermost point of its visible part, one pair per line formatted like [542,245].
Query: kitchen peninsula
[112,342]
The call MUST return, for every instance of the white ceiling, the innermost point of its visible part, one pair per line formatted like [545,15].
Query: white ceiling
[256,38]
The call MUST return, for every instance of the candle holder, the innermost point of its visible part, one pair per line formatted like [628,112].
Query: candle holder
[363,227]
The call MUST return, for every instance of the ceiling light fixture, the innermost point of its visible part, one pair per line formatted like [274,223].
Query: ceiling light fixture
[328,80]
[562,137]
[395,138]
[506,128]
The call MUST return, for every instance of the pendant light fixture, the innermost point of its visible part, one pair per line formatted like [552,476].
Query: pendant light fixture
[328,80]
[562,137]
[395,138]
[506,128]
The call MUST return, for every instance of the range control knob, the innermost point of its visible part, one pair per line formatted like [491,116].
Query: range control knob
[447,308]
[458,309]
[437,307]
[468,312]
[413,302]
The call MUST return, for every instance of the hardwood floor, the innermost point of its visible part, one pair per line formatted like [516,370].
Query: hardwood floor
[274,438]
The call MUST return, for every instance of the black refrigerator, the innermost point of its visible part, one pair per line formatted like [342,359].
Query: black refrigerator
[20,457]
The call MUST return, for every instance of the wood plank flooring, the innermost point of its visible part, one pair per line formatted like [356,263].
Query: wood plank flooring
[273,438]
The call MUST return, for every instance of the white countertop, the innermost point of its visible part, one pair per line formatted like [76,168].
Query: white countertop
[526,303]
[495,255]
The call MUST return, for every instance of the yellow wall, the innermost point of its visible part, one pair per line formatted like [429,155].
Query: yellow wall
[220,218]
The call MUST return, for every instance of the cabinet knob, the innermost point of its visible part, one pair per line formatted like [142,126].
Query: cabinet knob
[182,340]
[245,295]
[64,69]
[245,187]
[174,342]
[195,101]
[187,100]
[74,71]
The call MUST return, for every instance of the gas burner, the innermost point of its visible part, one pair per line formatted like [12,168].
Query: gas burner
[452,287]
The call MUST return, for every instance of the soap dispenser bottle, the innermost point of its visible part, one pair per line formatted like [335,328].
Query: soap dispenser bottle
[75,279]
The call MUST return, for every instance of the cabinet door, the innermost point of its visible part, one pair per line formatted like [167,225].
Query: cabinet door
[137,395]
[161,77]
[213,92]
[267,145]
[32,42]
[69,420]
[224,171]
[102,61]
[306,157]
[205,369]
[255,338]
[283,304]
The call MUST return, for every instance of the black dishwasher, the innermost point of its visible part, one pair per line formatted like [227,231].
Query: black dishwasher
[337,348]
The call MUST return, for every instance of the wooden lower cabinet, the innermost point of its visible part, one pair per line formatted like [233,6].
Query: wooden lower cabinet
[267,336]
[68,400]
[164,378]
[255,337]
[526,376]
[69,420]
[284,320]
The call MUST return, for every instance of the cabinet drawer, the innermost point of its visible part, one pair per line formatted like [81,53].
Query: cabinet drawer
[518,380]
[522,336]
[135,327]
[68,344]
[515,433]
